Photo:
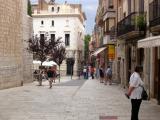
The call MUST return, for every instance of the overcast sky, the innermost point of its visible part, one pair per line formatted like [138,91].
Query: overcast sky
[89,7]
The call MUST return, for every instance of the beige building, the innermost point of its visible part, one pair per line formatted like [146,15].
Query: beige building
[104,33]
[151,50]
[131,27]
[15,28]
[138,41]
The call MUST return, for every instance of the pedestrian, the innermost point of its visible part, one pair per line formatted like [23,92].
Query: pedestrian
[85,72]
[135,92]
[40,77]
[54,73]
[108,75]
[101,73]
[92,72]
[50,76]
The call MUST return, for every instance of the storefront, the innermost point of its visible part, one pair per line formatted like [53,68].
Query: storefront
[151,47]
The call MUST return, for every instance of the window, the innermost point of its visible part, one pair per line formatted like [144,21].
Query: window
[52,22]
[52,9]
[141,6]
[41,36]
[58,8]
[42,22]
[67,39]
[110,4]
[129,7]
[52,36]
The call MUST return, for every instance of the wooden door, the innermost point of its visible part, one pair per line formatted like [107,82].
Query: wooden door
[155,74]
[158,96]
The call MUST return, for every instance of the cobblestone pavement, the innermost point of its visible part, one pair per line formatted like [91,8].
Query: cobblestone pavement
[86,100]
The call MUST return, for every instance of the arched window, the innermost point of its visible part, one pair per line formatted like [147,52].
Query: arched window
[42,22]
[52,22]
[58,8]
[52,9]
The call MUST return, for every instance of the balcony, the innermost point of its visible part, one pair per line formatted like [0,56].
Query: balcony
[109,13]
[99,16]
[113,33]
[132,26]
[154,17]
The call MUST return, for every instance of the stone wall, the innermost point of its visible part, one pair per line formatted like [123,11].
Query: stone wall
[11,43]
[27,33]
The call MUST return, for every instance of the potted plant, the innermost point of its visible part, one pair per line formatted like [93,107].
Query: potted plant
[141,22]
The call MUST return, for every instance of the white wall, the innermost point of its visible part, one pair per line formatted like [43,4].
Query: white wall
[60,28]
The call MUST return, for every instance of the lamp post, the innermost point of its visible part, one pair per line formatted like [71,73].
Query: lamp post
[71,59]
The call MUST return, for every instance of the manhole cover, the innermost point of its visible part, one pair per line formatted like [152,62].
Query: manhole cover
[108,117]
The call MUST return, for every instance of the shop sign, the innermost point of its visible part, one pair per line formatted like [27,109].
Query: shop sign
[111,52]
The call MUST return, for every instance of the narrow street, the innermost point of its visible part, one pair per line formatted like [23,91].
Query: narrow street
[70,100]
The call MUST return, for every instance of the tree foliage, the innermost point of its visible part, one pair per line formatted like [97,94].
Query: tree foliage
[29,8]
[43,48]
[86,46]
[58,54]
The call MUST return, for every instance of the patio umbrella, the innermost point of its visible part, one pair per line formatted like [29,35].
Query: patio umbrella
[49,63]
[36,62]
[52,63]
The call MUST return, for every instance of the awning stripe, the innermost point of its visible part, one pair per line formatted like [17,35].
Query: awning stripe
[149,42]
[98,51]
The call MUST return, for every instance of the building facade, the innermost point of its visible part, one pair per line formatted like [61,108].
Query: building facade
[104,39]
[151,50]
[54,20]
[12,27]
[137,35]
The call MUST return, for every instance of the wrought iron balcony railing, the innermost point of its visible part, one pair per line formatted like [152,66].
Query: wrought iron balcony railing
[154,14]
[135,21]
[113,33]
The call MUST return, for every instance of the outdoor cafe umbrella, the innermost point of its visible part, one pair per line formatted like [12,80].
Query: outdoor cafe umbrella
[49,63]
[36,64]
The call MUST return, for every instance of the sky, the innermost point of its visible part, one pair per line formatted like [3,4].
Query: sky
[89,7]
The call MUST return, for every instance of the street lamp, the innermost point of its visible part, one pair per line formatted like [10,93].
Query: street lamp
[71,59]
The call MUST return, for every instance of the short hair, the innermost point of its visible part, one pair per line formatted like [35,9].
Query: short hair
[138,69]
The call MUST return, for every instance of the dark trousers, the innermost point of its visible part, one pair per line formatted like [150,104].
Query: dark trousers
[92,75]
[135,108]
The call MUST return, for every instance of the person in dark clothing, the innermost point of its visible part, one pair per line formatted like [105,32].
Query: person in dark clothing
[50,77]
[92,72]
[101,73]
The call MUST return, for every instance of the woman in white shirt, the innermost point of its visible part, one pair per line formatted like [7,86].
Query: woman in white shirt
[135,91]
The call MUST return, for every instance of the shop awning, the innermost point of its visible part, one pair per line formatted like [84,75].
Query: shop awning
[149,42]
[98,51]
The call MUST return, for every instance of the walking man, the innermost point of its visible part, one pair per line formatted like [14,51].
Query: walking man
[108,75]
[50,76]
[92,72]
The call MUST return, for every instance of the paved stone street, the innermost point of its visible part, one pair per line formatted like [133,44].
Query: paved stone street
[70,100]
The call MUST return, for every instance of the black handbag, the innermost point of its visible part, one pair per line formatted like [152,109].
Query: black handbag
[144,94]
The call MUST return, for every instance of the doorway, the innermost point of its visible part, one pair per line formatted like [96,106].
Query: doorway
[158,96]
[157,77]
[129,63]
[70,65]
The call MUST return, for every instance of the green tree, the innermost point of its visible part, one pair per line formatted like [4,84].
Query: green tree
[58,54]
[29,8]
[86,47]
